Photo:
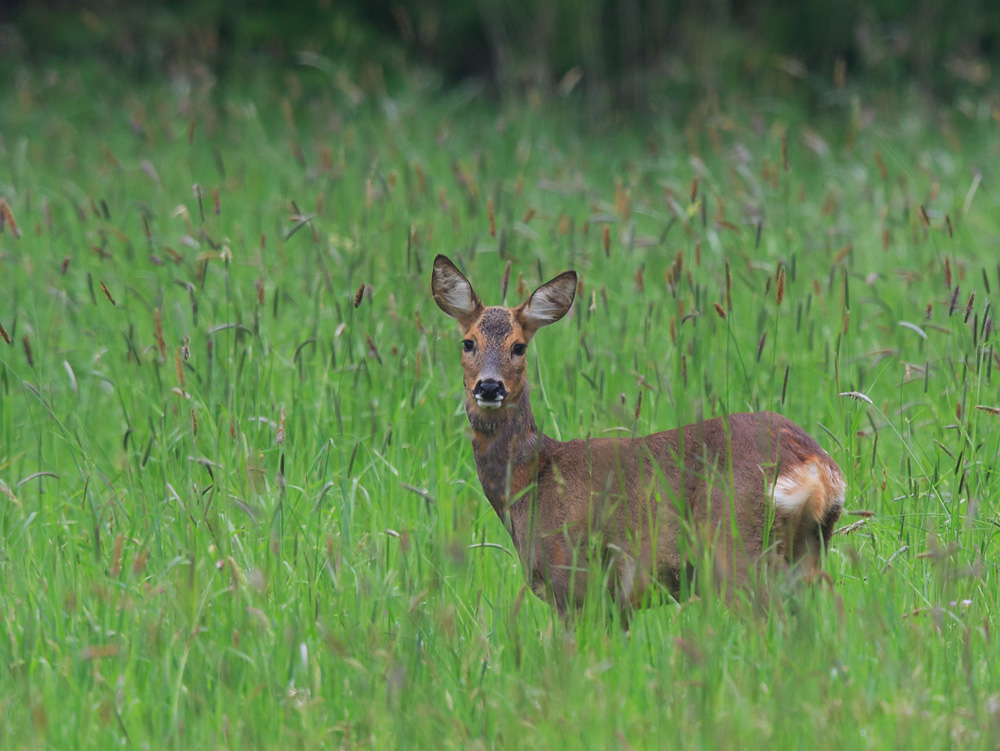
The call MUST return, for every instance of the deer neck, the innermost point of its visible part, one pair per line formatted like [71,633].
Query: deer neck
[505,442]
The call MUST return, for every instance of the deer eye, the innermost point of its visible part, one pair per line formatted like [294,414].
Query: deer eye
[468,345]
[518,349]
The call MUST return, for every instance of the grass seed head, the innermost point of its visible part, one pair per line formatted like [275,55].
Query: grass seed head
[180,369]
[421,178]
[107,294]
[505,282]
[372,349]
[780,287]
[160,344]
[196,188]
[493,219]
[883,172]
[7,219]
[857,396]
[721,311]
[607,241]
[281,426]
[623,204]
[28,354]
[4,335]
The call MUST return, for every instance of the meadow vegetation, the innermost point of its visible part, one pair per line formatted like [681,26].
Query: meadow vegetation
[237,500]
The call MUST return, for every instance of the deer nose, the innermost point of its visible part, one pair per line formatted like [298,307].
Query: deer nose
[489,390]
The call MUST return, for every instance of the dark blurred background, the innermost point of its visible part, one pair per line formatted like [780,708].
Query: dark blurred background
[620,54]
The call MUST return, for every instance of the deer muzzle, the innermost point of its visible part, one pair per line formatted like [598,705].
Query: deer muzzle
[489,393]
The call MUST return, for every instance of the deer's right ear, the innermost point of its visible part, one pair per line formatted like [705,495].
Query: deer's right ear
[453,293]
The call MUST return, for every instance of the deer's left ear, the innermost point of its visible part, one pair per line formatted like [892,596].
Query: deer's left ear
[548,303]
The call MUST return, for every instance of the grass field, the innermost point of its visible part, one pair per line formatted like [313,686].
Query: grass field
[238,505]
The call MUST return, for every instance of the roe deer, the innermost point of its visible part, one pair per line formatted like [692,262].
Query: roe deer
[752,487]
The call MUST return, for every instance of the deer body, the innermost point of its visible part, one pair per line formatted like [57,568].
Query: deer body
[750,488]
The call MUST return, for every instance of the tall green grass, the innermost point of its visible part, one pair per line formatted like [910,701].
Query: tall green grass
[267,531]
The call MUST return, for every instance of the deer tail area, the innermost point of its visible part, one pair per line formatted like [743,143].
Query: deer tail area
[813,491]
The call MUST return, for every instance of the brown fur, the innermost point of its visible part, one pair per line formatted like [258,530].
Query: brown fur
[748,488]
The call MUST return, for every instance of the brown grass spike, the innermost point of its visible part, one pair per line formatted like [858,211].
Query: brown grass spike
[180,370]
[7,218]
[104,289]
[883,172]
[161,345]
[197,195]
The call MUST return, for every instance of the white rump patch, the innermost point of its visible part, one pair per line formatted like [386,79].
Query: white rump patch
[793,489]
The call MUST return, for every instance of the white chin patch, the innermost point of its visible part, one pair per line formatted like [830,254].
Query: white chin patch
[489,405]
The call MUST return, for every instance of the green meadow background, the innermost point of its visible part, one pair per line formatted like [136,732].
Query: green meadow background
[238,507]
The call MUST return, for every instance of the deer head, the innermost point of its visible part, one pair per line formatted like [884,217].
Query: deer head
[495,339]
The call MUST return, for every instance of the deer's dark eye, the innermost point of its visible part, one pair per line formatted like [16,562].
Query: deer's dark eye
[468,345]
[518,349]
